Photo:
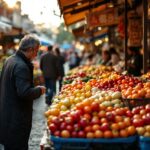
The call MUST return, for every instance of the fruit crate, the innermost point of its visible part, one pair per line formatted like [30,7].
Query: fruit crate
[115,144]
[131,103]
[94,144]
[70,143]
[144,143]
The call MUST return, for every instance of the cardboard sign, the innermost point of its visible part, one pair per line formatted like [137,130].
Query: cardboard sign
[103,18]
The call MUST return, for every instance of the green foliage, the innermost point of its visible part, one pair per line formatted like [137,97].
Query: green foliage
[64,35]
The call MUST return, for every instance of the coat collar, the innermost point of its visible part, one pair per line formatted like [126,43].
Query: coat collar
[25,59]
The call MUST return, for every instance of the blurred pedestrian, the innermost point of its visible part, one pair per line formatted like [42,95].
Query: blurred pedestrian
[49,66]
[72,59]
[106,58]
[135,61]
[61,61]
[114,56]
[17,93]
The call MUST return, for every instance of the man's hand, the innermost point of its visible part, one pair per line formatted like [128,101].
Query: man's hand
[43,89]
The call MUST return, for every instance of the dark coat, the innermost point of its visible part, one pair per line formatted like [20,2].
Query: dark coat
[49,65]
[61,61]
[16,100]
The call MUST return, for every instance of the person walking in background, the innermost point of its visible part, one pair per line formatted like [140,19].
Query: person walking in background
[114,56]
[61,61]
[17,93]
[49,65]
[135,61]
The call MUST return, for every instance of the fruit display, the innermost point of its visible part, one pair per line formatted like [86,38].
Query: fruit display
[141,120]
[92,121]
[95,108]
[85,73]
[146,76]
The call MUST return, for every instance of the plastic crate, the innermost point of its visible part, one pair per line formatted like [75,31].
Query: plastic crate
[144,143]
[94,144]
[70,143]
[129,143]
[131,103]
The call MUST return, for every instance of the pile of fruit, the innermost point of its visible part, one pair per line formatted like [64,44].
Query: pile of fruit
[146,76]
[95,109]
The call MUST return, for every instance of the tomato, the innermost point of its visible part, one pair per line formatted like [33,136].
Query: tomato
[127,122]
[104,120]
[65,134]
[108,134]
[118,118]
[87,109]
[140,130]
[79,105]
[109,108]
[95,106]
[98,134]
[57,133]
[95,127]
[115,126]
[123,133]
[86,102]
[90,135]
[121,125]
[88,129]
[138,122]
[52,128]
[87,116]
[115,133]
[131,130]
[81,134]
[120,111]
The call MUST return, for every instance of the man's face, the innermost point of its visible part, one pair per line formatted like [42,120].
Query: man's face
[33,52]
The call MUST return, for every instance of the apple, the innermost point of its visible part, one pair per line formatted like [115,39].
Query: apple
[63,126]
[147,108]
[74,134]
[69,128]
[76,127]
[65,134]
[102,114]
[83,122]
[138,122]
[69,120]
[104,127]
[146,119]
[95,106]
[140,130]
[52,128]
[136,110]
[88,128]
[98,134]
[57,133]
[81,134]
[129,113]
[110,116]
[95,120]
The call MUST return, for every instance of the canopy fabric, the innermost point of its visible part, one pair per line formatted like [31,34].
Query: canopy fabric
[76,10]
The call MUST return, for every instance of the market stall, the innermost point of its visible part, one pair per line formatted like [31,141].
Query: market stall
[111,109]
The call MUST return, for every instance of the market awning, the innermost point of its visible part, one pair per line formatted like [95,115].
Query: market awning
[76,10]
[82,32]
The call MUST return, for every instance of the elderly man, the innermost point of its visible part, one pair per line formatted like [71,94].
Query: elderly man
[17,94]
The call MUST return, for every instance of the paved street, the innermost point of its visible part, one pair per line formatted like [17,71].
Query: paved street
[38,123]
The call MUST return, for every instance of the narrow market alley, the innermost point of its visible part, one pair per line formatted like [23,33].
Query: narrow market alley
[38,123]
